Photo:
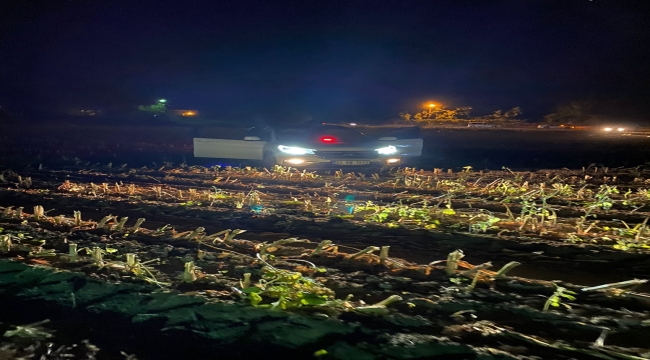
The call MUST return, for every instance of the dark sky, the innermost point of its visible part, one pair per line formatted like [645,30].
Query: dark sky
[331,60]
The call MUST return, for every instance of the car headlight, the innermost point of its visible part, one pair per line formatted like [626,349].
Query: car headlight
[295,150]
[621,129]
[608,129]
[387,150]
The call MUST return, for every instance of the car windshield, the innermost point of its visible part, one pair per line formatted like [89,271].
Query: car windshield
[321,134]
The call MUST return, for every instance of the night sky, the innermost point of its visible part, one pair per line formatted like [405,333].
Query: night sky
[328,60]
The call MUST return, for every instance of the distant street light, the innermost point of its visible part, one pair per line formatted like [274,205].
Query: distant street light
[431,106]
[162,101]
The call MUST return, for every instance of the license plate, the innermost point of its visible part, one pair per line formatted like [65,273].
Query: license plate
[351,162]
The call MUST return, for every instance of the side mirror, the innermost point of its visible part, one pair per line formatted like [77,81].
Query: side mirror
[252,138]
[387,138]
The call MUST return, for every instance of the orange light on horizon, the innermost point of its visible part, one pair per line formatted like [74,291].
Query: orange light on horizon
[430,111]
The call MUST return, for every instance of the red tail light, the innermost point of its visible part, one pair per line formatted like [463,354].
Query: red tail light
[328,139]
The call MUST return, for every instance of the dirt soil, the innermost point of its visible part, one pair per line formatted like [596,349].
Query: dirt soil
[405,264]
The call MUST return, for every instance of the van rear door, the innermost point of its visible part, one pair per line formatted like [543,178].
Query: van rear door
[229,149]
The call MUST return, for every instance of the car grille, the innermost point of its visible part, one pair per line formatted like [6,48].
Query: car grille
[347,154]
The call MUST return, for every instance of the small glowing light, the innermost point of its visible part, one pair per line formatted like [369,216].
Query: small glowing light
[621,129]
[608,129]
[353,124]
[295,161]
[328,139]
[387,150]
[432,105]
[392,161]
[295,150]
[189,113]
[162,101]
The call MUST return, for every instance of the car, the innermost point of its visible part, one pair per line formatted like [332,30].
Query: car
[480,125]
[549,126]
[312,147]
[618,127]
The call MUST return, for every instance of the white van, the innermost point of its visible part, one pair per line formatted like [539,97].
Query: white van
[480,125]
[320,146]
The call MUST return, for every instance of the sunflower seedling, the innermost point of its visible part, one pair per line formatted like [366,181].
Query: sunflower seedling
[383,254]
[555,299]
[227,235]
[379,308]
[452,261]
[368,250]
[507,267]
[276,244]
[141,270]
[322,246]
[162,229]
[93,189]
[472,285]
[39,251]
[104,220]
[98,254]
[27,182]
[58,220]
[39,212]
[136,227]
[194,234]
[189,273]
[8,211]
[246,282]
[77,218]
[5,243]
[231,235]
[477,269]
[73,253]
[30,331]
[121,223]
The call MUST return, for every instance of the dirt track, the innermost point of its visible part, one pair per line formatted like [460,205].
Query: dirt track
[444,148]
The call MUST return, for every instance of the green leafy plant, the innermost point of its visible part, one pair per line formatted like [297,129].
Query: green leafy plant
[98,253]
[286,290]
[487,221]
